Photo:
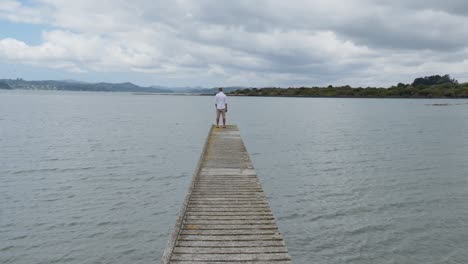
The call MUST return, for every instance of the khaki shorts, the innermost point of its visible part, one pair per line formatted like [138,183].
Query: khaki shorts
[220,112]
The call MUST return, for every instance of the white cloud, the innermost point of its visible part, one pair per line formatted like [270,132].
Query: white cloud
[296,42]
[14,11]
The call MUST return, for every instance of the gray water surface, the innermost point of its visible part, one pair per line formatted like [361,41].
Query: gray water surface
[100,177]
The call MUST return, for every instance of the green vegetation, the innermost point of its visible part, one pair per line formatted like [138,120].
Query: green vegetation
[434,80]
[427,87]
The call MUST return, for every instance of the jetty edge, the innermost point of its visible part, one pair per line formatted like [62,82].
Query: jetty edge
[225,217]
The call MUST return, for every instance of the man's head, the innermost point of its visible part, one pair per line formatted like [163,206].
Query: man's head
[220,89]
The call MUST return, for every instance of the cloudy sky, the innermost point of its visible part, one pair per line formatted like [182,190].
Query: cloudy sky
[242,42]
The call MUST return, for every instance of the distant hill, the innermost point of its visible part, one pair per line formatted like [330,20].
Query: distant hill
[198,90]
[70,85]
[73,85]
[5,86]
[215,90]
[72,81]
[179,89]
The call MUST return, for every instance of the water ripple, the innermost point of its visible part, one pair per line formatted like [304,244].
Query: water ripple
[350,181]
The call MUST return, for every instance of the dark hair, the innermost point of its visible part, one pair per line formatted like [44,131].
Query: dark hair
[220,89]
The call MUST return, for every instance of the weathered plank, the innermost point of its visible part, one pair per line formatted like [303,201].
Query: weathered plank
[230,237]
[252,195]
[232,217]
[221,203]
[227,213]
[231,222]
[225,217]
[232,262]
[225,232]
[229,250]
[199,193]
[211,226]
[227,209]
[258,205]
[214,244]
[214,188]
[232,257]
[224,186]
[238,204]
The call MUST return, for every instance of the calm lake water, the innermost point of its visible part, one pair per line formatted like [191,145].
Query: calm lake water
[100,177]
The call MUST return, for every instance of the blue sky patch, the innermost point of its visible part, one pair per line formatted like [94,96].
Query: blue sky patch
[28,33]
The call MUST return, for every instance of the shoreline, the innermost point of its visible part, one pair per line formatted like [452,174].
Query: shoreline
[239,95]
[348,97]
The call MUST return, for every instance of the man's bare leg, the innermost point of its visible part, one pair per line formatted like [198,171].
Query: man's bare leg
[224,122]
[217,118]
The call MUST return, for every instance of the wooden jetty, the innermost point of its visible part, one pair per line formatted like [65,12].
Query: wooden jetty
[225,217]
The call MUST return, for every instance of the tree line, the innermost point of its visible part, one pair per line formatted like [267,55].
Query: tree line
[435,86]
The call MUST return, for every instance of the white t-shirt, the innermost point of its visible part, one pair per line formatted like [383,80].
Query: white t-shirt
[220,100]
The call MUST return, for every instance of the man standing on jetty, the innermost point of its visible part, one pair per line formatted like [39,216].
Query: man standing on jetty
[221,106]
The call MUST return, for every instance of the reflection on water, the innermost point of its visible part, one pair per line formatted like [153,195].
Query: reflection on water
[100,177]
